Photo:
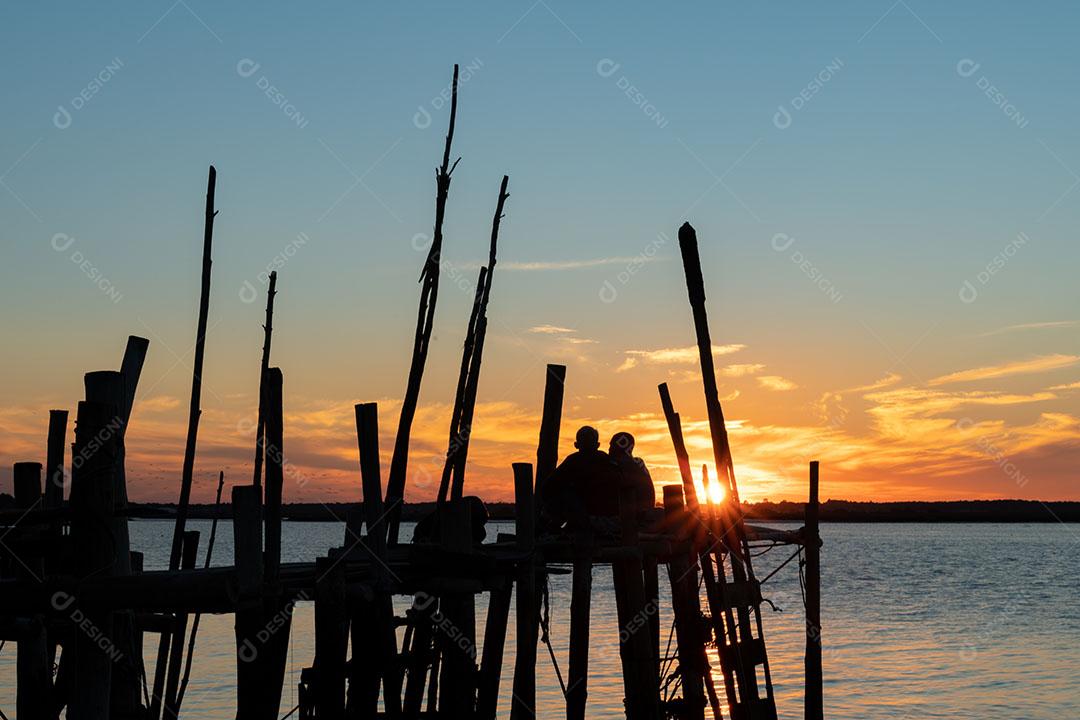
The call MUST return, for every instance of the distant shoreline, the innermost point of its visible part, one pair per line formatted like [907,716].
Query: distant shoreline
[832,511]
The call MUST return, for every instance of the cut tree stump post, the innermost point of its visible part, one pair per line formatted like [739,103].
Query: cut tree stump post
[54,464]
[94,459]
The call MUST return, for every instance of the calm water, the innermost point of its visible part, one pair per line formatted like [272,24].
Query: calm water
[927,621]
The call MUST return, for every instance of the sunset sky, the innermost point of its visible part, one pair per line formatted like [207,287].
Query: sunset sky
[886,197]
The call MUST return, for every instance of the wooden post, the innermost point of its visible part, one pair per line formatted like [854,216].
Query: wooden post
[33,670]
[26,478]
[276,648]
[260,426]
[275,474]
[194,409]
[577,687]
[115,389]
[732,530]
[468,407]
[523,704]
[374,639]
[33,673]
[547,450]
[195,623]
[686,607]
[54,463]
[813,699]
[194,412]
[331,638]
[176,648]
[425,319]
[457,694]
[248,561]
[459,394]
[640,680]
[487,696]
[94,458]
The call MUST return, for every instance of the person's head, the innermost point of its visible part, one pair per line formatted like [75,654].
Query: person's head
[622,443]
[587,439]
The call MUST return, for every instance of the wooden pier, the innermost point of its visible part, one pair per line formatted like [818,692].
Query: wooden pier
[79,606]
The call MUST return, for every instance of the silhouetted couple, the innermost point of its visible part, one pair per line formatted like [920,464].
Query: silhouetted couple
[588,482]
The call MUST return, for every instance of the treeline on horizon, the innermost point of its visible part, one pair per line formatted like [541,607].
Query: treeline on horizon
[831,511]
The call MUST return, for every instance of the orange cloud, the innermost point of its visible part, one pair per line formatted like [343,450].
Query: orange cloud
[671,356]
[1040,364]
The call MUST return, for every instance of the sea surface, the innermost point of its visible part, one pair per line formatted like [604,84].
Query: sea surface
[919,621]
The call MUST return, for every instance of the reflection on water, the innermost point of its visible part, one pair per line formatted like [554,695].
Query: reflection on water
[945,621]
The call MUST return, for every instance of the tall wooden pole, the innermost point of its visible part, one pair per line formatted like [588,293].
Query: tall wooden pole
[260,428]
[425,319]
[194,411]
[469,405]
[547,449]
[733,531]
[813,701]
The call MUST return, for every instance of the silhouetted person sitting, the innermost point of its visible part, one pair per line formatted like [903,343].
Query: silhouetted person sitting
[585,483]
[633,470]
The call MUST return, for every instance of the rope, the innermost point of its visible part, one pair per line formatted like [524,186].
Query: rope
[780,567]
[545,619]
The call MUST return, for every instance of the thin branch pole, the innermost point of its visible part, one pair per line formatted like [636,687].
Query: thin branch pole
[469,405]
[260,430]
[463,381]
[195,622]
[194,412]
[429,278]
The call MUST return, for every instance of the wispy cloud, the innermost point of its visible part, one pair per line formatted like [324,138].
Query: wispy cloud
[741,370]
[775,382]
[1043,363]
[551,330]
[1068,386]
[671,356]
[1030,326]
